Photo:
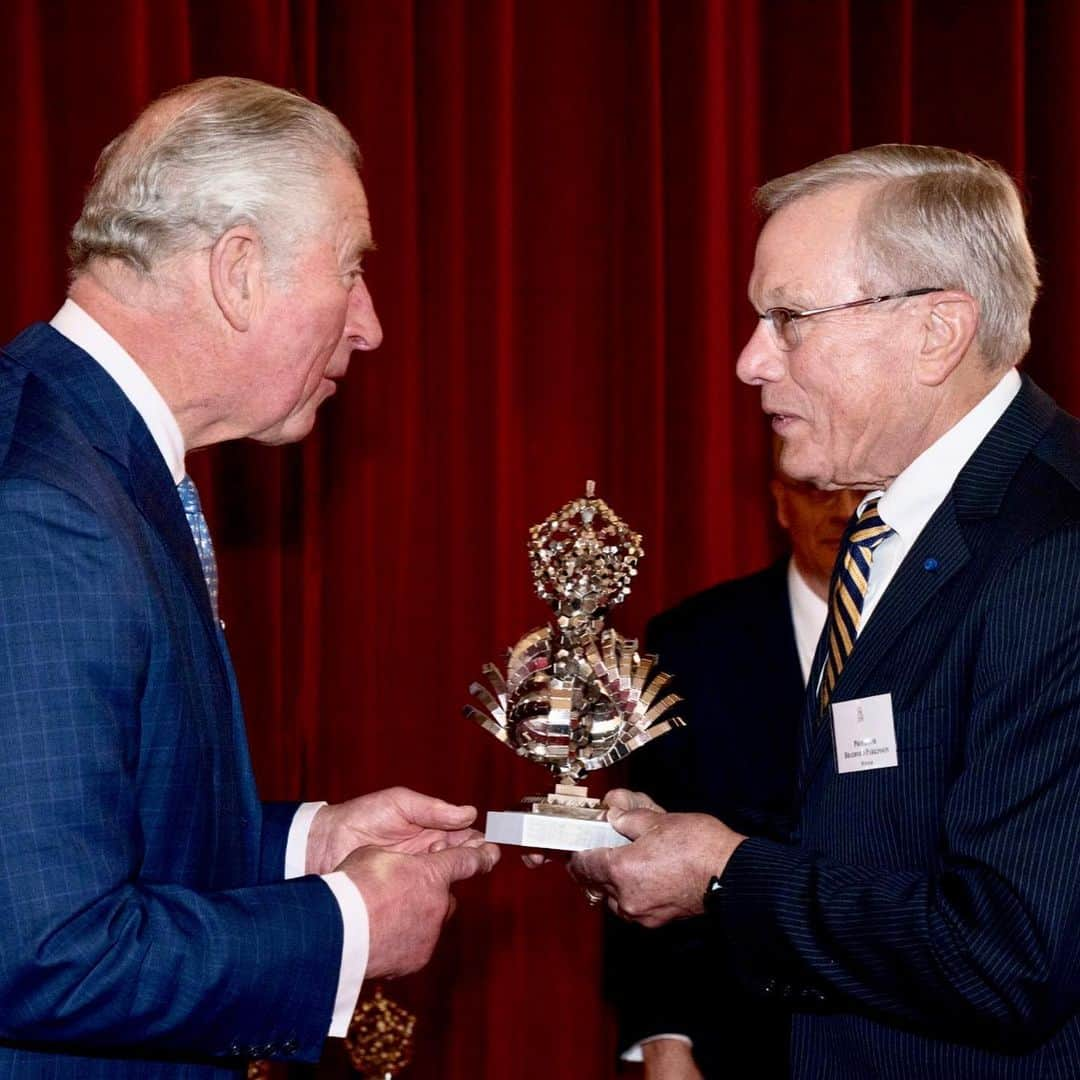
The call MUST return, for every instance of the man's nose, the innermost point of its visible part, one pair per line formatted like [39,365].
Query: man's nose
[362,326]
[760,360]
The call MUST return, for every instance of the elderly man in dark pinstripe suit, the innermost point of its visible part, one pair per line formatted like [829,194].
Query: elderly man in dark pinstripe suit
[922,918]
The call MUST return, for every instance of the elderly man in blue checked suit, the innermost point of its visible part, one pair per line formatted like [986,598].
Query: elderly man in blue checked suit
[922,918]
[160,921]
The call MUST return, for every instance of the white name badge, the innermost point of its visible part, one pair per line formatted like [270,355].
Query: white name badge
[863,734]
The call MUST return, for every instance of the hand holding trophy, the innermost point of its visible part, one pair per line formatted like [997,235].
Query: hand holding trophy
[576,696]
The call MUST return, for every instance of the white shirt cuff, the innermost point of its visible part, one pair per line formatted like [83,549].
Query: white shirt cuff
[354,950]
[354,918]
[634,1053]
[296,844]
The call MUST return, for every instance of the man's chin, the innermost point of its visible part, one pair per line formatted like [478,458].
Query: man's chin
[290,430]
[797,467]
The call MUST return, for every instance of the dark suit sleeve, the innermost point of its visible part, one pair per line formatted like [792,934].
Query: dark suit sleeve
[94,954]
[677,979]
[983,945]
[659,980]
[652,976]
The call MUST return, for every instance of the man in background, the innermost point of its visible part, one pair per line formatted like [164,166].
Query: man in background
[922,922]
[160,921]
[740,653]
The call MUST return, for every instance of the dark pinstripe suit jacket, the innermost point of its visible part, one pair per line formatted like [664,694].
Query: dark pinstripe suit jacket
[144,930]
[732,651]
[927,923]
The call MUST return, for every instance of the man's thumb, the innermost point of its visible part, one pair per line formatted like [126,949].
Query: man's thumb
[431,813]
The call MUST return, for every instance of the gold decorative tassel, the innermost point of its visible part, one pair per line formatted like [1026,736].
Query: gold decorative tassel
[380,1037]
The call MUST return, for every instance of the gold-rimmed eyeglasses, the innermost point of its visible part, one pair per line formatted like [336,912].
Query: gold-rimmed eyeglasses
[784,323]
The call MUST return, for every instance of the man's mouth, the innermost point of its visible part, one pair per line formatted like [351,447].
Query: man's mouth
[781,420]
[775,412]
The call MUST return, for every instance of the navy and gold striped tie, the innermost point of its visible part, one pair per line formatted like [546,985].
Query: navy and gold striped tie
[848,594]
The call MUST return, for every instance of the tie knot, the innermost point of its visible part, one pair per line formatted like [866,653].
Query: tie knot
[869,529]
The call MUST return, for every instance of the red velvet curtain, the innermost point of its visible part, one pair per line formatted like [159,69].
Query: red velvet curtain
[560,195]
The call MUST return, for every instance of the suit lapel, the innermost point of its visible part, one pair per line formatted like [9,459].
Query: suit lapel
[939,553]
[114,427]
[935,558]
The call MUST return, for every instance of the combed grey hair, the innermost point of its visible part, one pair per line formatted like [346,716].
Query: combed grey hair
[202,159]
[937,217]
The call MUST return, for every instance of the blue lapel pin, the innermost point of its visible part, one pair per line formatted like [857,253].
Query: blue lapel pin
[930,564]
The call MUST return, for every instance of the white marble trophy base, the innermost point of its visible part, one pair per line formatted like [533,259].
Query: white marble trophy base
[572,822]
[547,831]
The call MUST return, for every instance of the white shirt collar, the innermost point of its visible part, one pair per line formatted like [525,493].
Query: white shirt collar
[911,499]
[86,332]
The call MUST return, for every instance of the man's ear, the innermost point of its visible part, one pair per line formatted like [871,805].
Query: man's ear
[779,494]
[952,319]
[237,264]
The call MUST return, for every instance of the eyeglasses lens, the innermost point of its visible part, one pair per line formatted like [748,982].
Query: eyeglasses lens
[783,328]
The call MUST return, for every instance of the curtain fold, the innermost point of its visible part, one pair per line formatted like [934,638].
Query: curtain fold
[560,196]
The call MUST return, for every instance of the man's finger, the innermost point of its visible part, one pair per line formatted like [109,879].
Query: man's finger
[470,837]
[633,823]
[625,799]
[459,863]
[591,867]
[432,840]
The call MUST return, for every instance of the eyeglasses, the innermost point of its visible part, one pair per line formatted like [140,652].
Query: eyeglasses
[784,323]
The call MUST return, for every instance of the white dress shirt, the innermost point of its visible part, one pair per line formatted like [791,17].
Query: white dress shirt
[93,338]
[83,330]
[912,498]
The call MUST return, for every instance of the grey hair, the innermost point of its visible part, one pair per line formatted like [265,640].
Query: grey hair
[202,159]
[938,217]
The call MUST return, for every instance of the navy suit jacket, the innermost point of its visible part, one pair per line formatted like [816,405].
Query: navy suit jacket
[926,921]
[732,652]
[148,930]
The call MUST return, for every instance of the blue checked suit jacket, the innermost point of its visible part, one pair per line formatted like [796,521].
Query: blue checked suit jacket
[146,929]
[927,921]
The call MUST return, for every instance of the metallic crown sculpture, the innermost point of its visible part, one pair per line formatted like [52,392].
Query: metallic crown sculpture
[576,696]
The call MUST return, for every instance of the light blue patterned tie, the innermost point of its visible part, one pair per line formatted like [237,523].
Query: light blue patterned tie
[189,496]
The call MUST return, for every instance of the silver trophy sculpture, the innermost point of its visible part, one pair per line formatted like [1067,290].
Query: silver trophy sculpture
[576,696]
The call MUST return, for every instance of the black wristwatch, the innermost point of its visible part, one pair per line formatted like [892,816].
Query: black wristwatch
[713,894]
